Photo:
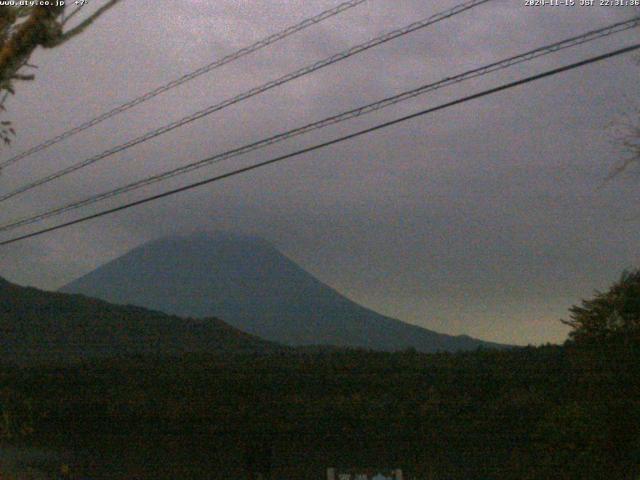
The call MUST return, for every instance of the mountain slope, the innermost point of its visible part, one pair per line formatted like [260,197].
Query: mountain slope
[252,286]
[37,325]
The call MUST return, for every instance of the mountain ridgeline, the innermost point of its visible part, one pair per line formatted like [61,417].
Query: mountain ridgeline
[249,284]
[38,326]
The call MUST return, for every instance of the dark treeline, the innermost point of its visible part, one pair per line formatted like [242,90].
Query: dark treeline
[548,412]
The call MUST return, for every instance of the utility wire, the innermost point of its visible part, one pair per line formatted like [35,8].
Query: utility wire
[360,111]
[319,146]
[265,42]
[251,93]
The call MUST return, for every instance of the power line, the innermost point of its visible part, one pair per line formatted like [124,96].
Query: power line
[357,112]
[265,42]
[319,146]
[251,93]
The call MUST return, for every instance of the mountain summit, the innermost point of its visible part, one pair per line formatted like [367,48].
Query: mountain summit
[252,286]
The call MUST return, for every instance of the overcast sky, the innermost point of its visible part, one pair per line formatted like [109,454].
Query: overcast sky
[485,219]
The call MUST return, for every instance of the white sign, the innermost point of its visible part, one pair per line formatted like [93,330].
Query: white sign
[364,474]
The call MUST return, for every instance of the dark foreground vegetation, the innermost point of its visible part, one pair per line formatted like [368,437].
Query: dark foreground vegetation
[554,412]
[550,412]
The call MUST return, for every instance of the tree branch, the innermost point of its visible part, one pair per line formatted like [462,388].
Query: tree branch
[82,25]
[39,28]
[72,14]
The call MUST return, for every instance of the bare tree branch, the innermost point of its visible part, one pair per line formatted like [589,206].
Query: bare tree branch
[25,28]
[72,14]
[78,29]
[626,134]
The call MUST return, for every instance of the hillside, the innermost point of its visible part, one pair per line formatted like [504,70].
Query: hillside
[38,325]
[252,286]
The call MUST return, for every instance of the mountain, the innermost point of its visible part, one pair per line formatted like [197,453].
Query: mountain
[252,286]
[45,326]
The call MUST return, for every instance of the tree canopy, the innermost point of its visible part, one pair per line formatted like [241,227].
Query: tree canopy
[614,314]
